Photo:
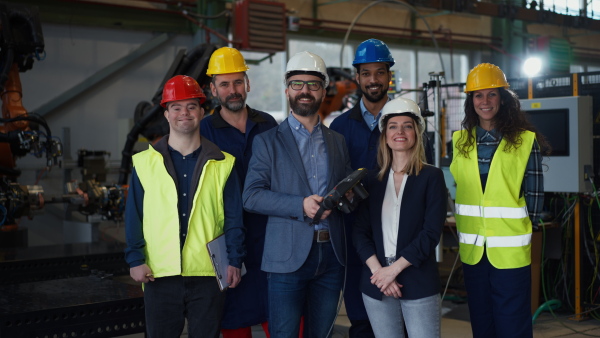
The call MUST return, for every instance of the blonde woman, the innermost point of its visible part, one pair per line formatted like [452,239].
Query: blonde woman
[398,227]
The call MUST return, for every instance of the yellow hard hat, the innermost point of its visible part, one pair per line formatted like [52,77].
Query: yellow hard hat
[226,60]
[485,76]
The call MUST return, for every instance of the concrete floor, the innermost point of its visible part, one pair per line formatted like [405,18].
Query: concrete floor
[455,324]
[455,319]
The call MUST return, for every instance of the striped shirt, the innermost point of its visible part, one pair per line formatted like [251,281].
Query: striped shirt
[533,180]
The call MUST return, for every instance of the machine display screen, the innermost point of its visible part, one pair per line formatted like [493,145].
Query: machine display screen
[554,125]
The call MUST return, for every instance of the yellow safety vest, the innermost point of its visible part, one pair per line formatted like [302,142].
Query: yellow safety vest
[497,218]
[161,218]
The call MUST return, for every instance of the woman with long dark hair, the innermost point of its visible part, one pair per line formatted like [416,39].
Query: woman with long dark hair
[497,167]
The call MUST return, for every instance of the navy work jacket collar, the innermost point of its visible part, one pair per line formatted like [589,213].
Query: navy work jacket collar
[208,151]
[219,122]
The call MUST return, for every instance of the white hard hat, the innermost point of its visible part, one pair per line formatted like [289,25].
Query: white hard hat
[401,106]
[307,62]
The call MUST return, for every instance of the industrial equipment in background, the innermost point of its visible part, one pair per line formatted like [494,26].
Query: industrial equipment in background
[23,133]
[342,92]
[58,274]
[565,122]
[21,42]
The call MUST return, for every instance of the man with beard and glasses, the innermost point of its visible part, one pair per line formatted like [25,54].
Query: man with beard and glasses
[372,61]
[292,167]
[233,126]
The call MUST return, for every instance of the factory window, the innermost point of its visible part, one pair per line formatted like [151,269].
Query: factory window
[455,66]
[404,71]
[266,83]
[592,7]
[329,50]
[585,68]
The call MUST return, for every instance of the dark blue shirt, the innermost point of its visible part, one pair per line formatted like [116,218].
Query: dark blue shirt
[233,141]
[184,169]
[238,144]
[362,142]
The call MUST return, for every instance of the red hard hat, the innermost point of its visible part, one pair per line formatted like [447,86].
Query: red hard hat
[181,87]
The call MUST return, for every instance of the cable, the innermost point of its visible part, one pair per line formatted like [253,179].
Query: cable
[457,253]
[337,312]
[546,296]
[566,223]
[450,276]
[4,213]
[40,175]
[399,3]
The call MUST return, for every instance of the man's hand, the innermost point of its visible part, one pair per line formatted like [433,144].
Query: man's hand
[311,206]
[234,276]
[141,273]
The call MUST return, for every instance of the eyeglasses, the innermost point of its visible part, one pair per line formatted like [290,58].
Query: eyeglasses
[312,85]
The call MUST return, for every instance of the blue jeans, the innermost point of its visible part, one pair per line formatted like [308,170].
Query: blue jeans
[168,301]
[312,291]
[499,300]
[388,316]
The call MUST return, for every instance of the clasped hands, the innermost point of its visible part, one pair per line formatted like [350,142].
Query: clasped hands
[384,279]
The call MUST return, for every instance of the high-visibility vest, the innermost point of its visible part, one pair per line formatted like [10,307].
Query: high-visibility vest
[498,217]
[161,218]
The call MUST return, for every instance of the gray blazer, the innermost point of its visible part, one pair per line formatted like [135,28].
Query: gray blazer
[276,185]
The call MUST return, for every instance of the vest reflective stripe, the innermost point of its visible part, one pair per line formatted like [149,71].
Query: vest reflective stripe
[490,212]
[495,241]
[496,219]
[472,239]
[161,219]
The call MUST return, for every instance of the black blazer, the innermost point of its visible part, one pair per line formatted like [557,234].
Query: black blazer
[422,216]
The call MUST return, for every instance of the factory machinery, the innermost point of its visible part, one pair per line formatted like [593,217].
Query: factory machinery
[73,289]
[63,290]
[23,133]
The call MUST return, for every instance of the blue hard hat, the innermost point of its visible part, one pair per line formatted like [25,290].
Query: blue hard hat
[373,50]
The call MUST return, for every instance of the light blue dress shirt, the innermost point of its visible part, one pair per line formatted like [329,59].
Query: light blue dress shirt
[314,157]
[371,120]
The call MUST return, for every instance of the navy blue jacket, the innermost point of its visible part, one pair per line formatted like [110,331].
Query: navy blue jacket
[245,305]
[422,216]
[361,141]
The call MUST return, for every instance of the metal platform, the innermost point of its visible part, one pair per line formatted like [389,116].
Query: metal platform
[40,263]
[73,307]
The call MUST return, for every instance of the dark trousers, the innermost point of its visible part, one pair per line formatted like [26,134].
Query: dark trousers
[312,290]
[170,300]
[499,300]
